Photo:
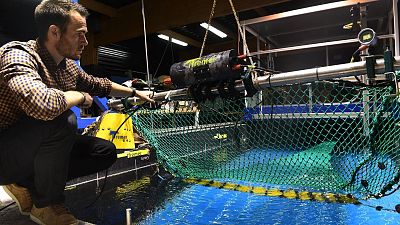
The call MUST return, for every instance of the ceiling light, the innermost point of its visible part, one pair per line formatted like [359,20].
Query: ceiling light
[214,30]
[173,40]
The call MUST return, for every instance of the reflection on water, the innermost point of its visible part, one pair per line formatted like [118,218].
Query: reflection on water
[176,202]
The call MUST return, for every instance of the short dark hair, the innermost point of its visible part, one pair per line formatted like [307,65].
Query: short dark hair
[55,12]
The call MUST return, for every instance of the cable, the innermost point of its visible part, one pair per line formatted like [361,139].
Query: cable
[130,114]
[263,64]
[208,26]
[5,207]
[161,60]
[145,43]
[172,54]
[246,47]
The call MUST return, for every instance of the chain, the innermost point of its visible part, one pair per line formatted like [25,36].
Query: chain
[208,25]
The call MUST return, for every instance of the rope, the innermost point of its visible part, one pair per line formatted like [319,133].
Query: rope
[246,48]
[208,26]
[145,44]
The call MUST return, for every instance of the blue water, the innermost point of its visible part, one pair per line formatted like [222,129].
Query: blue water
[207,205]
[176,202]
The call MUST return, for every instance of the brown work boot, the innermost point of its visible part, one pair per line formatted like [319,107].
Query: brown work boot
[53,215]
[21,196]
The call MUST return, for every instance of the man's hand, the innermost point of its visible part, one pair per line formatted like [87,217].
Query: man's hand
[87,101]
[145,95]
[78,98]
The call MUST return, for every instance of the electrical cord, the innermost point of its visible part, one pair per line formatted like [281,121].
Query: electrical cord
[161,60]
[8,205]
[130,114]
[265,68]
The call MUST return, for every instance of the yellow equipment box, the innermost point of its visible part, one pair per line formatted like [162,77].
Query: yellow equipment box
[109,124]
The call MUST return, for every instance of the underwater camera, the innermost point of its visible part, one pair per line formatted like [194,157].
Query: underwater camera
[214,71]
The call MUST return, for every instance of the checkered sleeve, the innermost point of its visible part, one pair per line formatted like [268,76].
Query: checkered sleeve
[95,86]
[19,70]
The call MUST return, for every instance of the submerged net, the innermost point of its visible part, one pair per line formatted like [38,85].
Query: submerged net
[323,136]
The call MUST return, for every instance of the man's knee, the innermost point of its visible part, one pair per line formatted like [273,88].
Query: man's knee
[110,150]
[107,153]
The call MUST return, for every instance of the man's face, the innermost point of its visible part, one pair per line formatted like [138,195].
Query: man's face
[73,40]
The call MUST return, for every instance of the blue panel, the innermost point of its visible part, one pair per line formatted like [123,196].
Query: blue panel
[303,108]
[285,109]
[248,114]
[77,111]
[331,108]
[101,102]
[84,122]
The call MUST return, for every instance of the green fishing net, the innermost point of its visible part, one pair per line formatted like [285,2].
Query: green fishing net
[327,136]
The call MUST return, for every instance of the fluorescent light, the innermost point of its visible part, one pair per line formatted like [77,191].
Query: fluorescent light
[176,41]
[214,30]
[162,36]
[173,40]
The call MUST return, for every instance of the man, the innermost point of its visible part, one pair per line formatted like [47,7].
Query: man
[39,83]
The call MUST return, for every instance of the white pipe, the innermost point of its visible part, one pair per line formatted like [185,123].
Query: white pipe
[281,79]
[128,217]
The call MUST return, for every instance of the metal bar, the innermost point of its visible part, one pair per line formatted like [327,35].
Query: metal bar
[281,79]
[306,10]
[321,73]
[314,28]
[128,216]
[316,45]
[396,28]
[253,32]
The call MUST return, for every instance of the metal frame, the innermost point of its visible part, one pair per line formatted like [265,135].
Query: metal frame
[319,8]
[303,11]
[301,76]
[267,81]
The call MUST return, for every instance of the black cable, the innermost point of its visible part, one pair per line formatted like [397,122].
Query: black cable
[130,114]
[358,79]
[161,60]
[264,64]
[172,54]
[316,72]
[5,207]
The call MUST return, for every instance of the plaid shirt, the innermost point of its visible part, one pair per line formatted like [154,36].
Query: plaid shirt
[32,84]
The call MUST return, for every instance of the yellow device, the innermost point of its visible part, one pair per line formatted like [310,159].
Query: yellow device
[109,124]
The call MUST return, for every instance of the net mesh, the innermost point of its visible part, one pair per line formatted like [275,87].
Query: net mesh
[323,136]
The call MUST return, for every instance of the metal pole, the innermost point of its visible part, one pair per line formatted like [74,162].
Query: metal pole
[310,98]
[365,80]
[128,216]
[396,28]
[307,10]
[315,45]
[282,79]
[327,55]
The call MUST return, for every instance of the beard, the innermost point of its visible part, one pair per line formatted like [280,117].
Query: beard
[65,49]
